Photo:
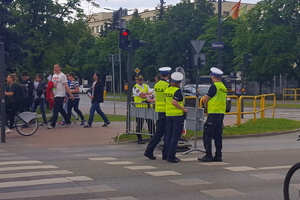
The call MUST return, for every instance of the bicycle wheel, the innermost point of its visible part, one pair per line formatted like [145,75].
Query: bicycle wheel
[26,129]
[291,186]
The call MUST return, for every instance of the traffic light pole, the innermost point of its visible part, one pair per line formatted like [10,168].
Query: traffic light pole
[2,82]
[220,21]
[130,85]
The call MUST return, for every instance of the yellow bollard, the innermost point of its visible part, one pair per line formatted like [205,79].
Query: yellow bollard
[104,94]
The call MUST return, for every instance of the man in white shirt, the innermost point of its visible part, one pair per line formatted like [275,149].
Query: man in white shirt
[60,87]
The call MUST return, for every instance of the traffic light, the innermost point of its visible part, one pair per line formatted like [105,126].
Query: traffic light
[124,39]
[247,59]
[136,43]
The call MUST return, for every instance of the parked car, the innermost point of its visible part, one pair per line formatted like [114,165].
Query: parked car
[190,90]
[84,89]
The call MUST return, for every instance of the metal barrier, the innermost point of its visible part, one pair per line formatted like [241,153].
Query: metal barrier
[294,93]
[146,112]
[240,105]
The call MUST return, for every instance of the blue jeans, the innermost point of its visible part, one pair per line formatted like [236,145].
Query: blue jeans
[174,129]
[96,107]
[41,103]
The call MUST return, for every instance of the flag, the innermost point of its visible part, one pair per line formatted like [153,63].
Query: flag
[235,10]
[242,12]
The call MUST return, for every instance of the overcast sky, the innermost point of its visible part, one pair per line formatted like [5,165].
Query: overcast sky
[140,4]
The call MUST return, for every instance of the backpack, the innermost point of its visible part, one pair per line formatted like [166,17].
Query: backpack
[24,91]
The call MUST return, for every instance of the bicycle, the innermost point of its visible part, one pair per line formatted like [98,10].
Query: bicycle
[26,123]
[291,185]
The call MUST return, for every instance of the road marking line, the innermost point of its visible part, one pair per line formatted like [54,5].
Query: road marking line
[43,181]
[163,173]
[275,167]
[240,168]
[56,192]
[20,162]
[102,159]
[32,174]
[27,167]
[120,163]
[140,167]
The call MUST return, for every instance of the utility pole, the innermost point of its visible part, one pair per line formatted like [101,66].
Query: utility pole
[220,21]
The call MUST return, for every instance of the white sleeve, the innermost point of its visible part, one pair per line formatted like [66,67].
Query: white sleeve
[136,91]
[64,79]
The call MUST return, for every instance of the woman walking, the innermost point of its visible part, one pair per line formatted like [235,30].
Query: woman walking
[14,100]
[97,97]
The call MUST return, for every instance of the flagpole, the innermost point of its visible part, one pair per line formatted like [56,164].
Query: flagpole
[220,33]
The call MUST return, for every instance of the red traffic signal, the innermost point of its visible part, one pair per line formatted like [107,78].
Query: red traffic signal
[124,39]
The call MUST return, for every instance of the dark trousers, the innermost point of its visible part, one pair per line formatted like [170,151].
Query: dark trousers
[74,104]
[96,107]
[139,126]
[213,128]
[27,103]
[11,110]
[160,132]
[58,107]
[41,103]
[174,129]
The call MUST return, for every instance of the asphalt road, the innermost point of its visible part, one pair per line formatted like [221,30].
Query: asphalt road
[252,168]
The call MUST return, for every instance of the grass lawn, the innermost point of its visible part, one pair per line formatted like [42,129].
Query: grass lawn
[249,127]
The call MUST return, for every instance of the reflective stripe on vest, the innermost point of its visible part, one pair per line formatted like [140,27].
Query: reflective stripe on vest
[171,110]
[217,104]
[160,99]
[138,99]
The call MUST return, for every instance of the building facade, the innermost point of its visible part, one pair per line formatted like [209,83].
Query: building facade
[97,21]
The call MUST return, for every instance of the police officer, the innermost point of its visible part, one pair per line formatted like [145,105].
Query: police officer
[160,108]
[215,103]
[140,92]
[175,116]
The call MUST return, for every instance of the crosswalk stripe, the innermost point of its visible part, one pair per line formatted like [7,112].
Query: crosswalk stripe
[27,167]
[20,162]
[32,174]
[56,192]
[43,181]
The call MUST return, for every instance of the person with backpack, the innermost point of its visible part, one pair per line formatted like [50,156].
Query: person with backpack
[39,96]
[14,101]
[27,88]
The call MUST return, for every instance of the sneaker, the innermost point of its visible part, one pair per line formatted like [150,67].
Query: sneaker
[205,159]
[50,126]
[66,125]
[82,122]
[141,142]
[106,123]
[61,123]
[8,130]
[87,126]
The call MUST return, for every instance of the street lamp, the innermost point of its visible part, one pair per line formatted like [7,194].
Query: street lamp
[220,33]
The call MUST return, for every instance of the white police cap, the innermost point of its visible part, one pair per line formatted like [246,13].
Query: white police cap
[164,70]
[215,71]
[177,77]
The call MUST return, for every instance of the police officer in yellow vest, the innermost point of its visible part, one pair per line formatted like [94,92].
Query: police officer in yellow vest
[215,103]
[140,92]
[160,108]
[176,114]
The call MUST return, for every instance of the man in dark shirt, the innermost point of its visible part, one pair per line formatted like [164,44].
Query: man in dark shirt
[27,102]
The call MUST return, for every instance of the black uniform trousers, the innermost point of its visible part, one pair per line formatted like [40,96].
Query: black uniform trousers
[174,129]
[160,132]
[213,128]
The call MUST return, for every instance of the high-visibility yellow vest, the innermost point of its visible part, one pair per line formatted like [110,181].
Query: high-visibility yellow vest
[171,110]
[138,99]
[160,99]
[217,104]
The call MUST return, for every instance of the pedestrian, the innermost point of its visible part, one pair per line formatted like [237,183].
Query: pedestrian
[160,107]
[74,87]
[27,87]
[96,96]
[60,87]
[13,102]
[39,96]
[140,93]
[175,116]
[215,103]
